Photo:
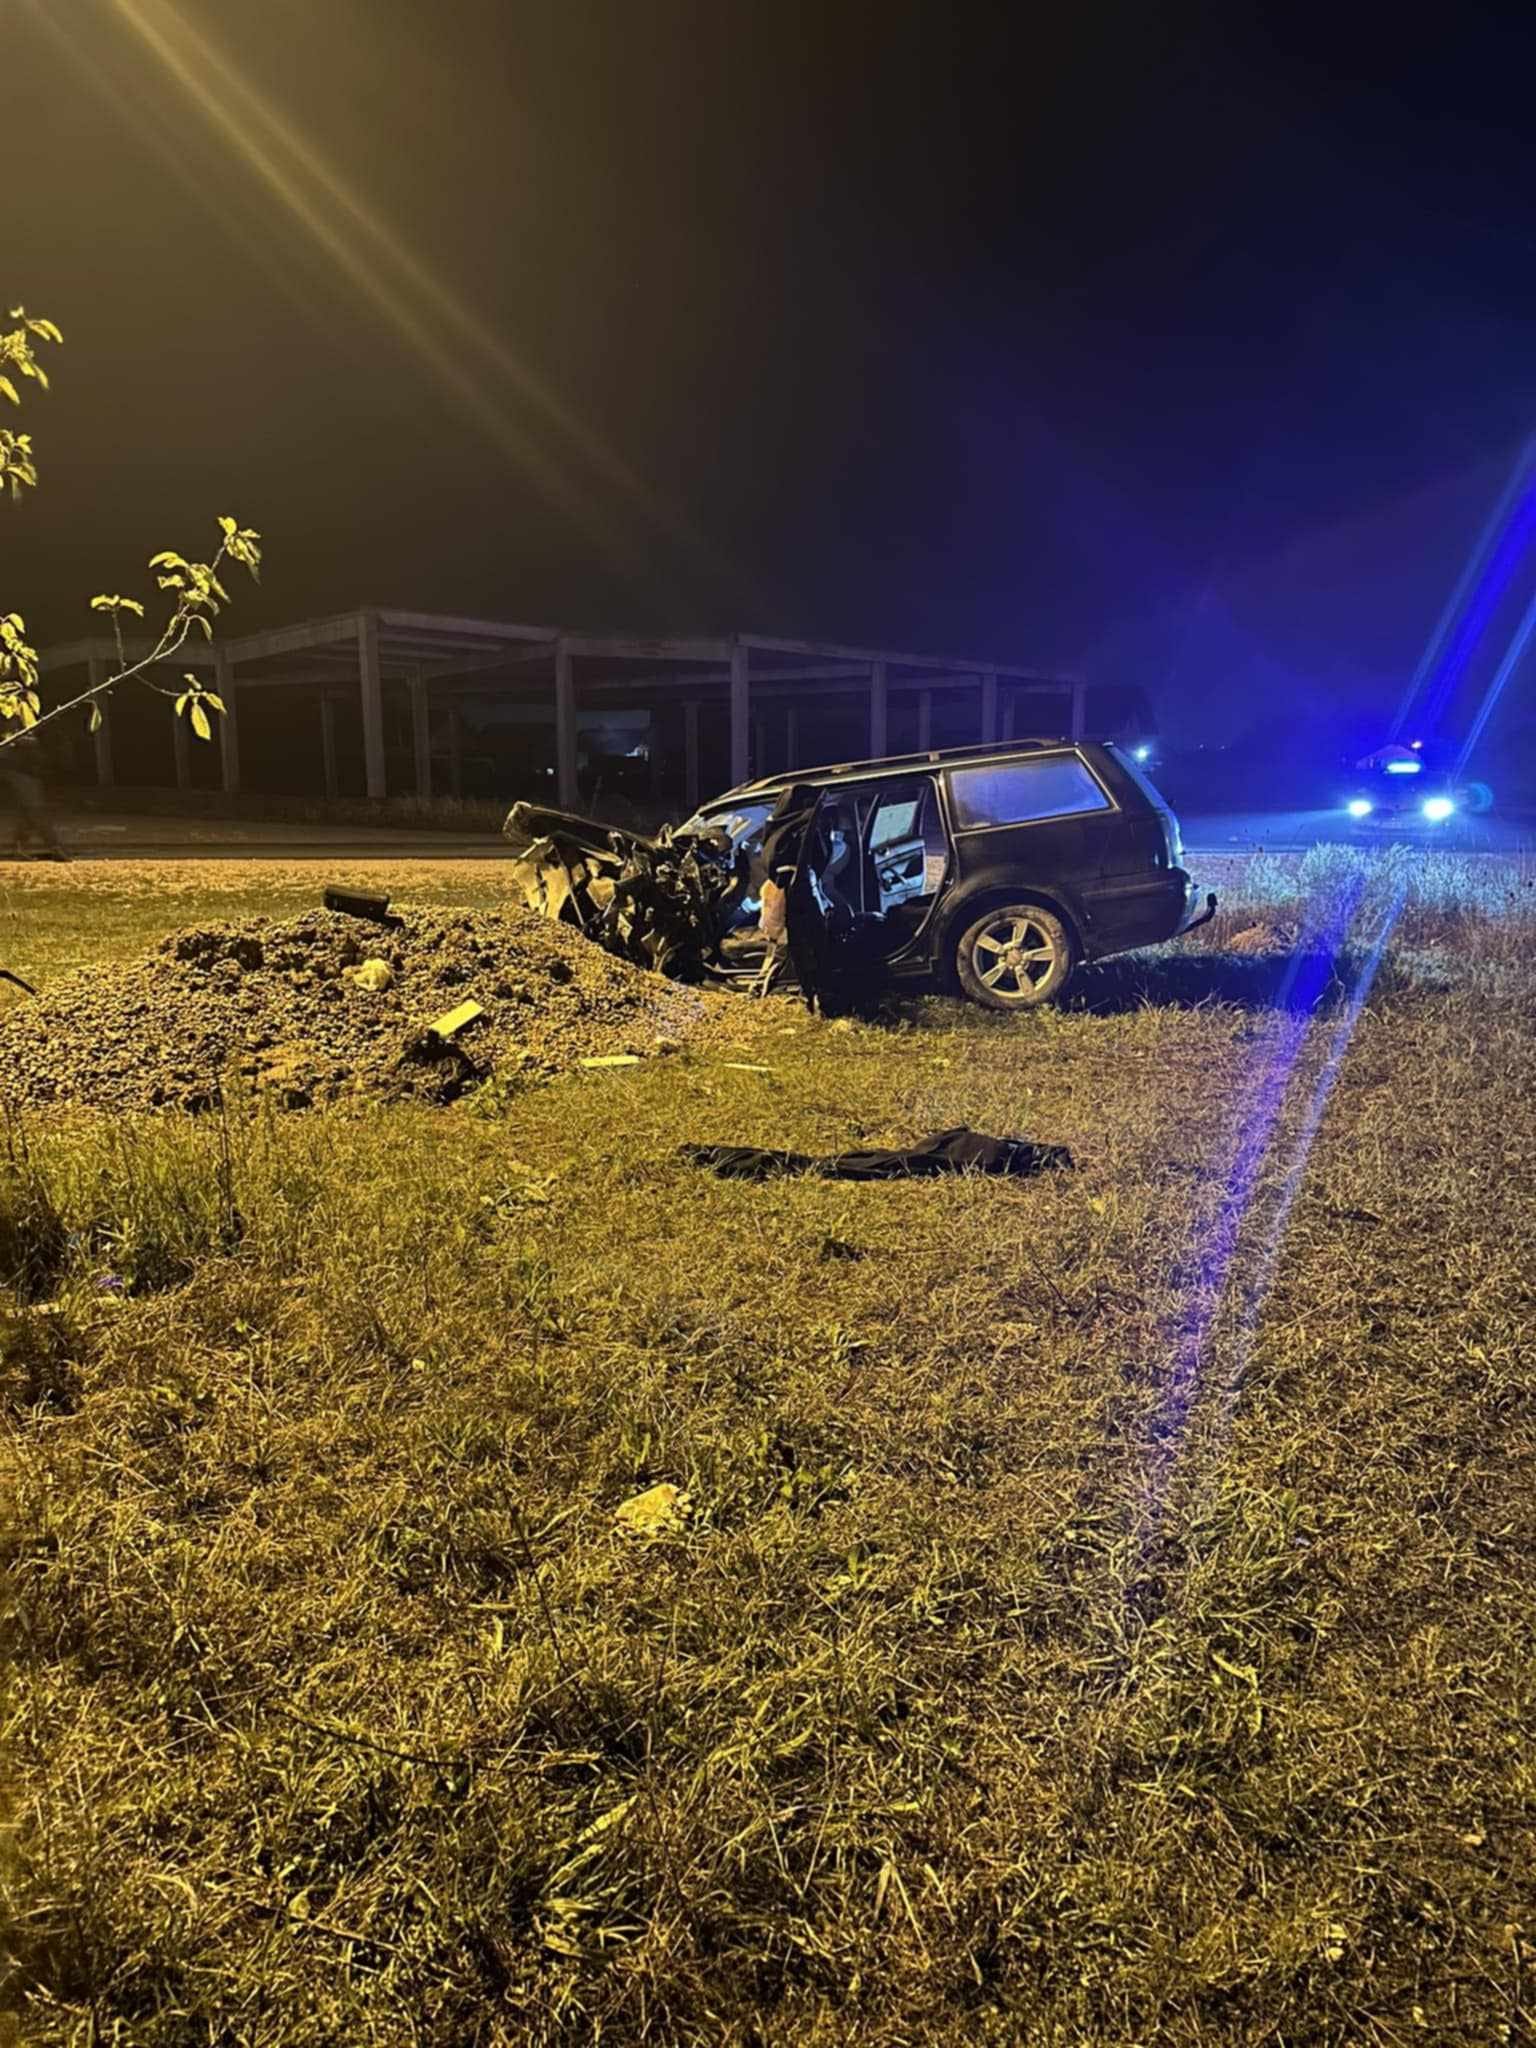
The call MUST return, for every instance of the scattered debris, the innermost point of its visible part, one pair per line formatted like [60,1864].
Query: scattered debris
[453,1021]
[351,903]
[614,1059]
[373,975]
[659,1511]
[956,1151]
[268,1002]
[6,975]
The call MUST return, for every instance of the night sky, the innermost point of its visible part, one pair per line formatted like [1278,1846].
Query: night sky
[1155,344]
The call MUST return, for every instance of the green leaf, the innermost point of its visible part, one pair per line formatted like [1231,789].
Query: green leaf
[200,723]
[182,702]
[231,527]
[167,559]
[93,723]
[10,390]
[213,700]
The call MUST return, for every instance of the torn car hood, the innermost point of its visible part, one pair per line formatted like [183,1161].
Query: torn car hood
[659,902]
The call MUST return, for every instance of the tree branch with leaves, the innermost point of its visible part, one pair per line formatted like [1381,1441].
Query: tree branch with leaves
[195,594]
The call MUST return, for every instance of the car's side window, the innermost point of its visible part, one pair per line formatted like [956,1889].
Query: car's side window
[1020,792]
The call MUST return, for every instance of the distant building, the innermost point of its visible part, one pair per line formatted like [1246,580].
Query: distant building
[376,703]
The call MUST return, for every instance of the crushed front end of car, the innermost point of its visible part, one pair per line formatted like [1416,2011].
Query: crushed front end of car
[656,902]
[695,906]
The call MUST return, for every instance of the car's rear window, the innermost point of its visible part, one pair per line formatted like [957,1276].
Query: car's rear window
[1017,792]
[1127,765]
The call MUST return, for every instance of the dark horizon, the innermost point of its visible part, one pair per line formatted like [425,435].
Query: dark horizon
[1169,351]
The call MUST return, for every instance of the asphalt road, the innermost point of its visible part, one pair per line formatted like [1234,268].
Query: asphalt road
[1226,833]
[1294,831]
[131,838]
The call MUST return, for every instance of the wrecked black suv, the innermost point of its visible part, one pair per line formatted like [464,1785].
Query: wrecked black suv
[992,869]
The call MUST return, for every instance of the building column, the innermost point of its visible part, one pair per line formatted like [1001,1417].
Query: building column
[371,690]
[181,746]
[328,745]
[1010,713]
[229,728]
[421,736]
[102,736]
[988,706]
[1079,710]
[455,747]
[760,746]
[792,736]
[924,720]
[691,756]
[878,712]
[741,702]
[566,792]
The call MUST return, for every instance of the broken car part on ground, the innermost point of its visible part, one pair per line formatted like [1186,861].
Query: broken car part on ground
[960,1150]
[994,870]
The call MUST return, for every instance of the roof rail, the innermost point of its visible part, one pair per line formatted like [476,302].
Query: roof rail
[990,750]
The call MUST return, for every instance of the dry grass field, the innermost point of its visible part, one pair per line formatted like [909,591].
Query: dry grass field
[1103,1608]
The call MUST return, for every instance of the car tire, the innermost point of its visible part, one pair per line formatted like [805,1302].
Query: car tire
[1015,956]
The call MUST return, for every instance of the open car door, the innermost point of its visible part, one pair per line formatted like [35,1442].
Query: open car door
[837,943]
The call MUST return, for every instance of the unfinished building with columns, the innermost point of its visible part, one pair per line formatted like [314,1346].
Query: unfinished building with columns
[377,703]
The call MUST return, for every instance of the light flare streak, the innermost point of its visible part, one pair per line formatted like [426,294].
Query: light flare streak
[573,468]
[1249,1232]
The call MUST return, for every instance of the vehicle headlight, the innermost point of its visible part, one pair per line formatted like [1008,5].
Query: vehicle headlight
[1142,753]
[1437,808]
[1359,807]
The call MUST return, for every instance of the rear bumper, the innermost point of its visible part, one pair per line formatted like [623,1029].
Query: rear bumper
[1127,914]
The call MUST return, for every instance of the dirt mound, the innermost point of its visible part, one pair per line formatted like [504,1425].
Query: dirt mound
[294,1005]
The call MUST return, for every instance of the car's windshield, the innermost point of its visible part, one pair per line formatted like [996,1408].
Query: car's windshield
[739,825]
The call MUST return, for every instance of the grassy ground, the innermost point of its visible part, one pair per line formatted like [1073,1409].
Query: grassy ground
[1105,1610]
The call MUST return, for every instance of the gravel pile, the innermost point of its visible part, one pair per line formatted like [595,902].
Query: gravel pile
[294,1005]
